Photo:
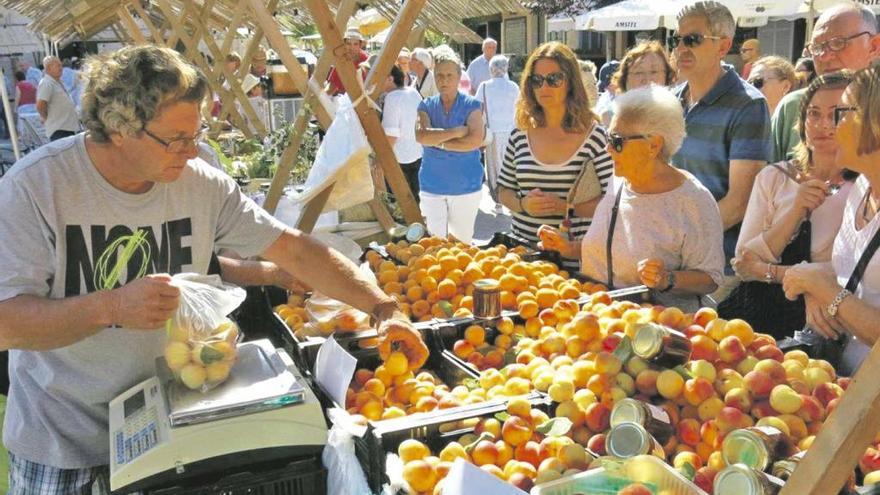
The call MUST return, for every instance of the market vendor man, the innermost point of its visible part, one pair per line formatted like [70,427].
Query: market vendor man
[69,207]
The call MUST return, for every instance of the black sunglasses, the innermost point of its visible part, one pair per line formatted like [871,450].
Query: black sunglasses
[758,82]
[690,40]
[839,112]
[554,80]
[616,141]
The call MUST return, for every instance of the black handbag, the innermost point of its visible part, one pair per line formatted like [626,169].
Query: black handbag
[764,305]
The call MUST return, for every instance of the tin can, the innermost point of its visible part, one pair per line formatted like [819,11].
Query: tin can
[654,419]
[415,232]
[740,479]
[757,447]
[630,439]
[487,298]
[661,345]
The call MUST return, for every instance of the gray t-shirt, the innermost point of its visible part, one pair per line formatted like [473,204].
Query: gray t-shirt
[682,227]
[59,216]
[61,112]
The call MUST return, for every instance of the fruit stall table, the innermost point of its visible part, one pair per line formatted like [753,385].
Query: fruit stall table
[566,349]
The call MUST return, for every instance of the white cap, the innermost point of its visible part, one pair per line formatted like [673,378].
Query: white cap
[353,34]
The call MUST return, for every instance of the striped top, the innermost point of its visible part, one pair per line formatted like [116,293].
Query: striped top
[522,172]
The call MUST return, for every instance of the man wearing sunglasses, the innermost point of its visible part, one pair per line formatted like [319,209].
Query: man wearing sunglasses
[845,37]
[727,122]
[749,52]
[80,329]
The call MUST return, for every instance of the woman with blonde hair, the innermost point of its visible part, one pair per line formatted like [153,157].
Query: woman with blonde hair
[555,167]
[775,77]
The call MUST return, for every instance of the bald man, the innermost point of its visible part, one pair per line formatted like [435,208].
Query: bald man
[749,52]
[845,37]
[55,105]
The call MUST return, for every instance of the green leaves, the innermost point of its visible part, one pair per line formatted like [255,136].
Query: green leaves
[556,427]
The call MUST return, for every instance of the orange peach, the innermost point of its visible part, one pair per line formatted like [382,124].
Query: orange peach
[420,475]
[516,431]
[698,389]
[703,347]
[485,452]
[597,416]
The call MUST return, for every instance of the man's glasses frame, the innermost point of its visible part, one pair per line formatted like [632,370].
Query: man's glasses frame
[836,44]
[690,40]
[179,145]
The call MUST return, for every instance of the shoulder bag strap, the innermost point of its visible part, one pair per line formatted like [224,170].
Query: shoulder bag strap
[862,265]
[610,239]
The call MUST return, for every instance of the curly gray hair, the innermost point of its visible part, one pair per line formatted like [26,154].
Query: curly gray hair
[128,88]
[721,21]
[445,54]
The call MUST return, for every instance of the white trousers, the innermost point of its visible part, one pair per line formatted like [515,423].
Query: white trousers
[451,215]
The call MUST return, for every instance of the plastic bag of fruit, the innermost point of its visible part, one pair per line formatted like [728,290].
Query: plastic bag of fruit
[201,345]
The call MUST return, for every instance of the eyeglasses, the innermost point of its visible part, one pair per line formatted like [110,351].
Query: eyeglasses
[180,145]
[690,40]
[840,112]
[616,141]
[835,44]
[554,80]
[758,82]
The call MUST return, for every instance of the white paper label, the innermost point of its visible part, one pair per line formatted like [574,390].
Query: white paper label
[334,368]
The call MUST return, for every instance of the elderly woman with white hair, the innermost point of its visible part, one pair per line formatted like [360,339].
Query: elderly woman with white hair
[421,64]
[498,96]
[662,226]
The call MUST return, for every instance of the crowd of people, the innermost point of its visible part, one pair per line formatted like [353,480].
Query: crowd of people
[751,190]
[746,189]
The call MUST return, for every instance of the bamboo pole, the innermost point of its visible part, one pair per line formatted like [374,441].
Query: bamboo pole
[369,118]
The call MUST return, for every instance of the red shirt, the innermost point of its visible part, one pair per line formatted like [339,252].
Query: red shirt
[747,70]
[28,93]
[336,86]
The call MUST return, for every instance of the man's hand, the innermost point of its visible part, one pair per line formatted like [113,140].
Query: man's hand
[399,334]
[146,303]
[652,272]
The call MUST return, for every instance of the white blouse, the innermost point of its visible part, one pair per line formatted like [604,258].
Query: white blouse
[848,248]
[772,196]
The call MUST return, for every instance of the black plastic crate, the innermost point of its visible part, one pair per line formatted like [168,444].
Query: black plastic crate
[435,430]
[305,476]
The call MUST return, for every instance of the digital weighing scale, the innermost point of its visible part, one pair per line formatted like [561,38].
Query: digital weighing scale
[162,433]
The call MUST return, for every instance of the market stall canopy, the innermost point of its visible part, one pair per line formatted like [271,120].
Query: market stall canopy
[64,21]
[639,15]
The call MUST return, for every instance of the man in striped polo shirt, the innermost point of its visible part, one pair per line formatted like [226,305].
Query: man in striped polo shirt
[727,120]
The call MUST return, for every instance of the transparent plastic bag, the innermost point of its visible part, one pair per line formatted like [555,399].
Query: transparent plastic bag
[344,473]
[201,340]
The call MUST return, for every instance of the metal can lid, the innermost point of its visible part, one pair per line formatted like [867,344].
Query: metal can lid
[627,440]
[647,340]
[415,232]
[737,479]
[745,447]
[627,410]
[487,285]
[398,231]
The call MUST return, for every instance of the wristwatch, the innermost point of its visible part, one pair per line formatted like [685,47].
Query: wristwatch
[670,281]
[838,300]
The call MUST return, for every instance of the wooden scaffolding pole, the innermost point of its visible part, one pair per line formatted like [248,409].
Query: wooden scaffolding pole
[310,100]
[368,116]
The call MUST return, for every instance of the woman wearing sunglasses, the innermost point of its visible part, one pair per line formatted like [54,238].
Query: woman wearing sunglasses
[660,227]
[450,128]
[843,297]
[555,167]
[793,215]
[775,77]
